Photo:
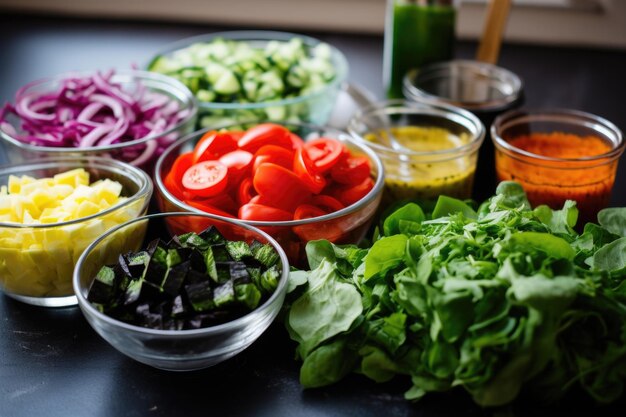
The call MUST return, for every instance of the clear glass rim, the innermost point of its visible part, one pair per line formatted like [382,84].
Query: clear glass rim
[369,197]
[138,176]
[262,35]
[399,106]
[185,98]
[206,331]
[413,92]
[565,116]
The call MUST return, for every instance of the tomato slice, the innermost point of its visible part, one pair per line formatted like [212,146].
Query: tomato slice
[221,201]
[246,191]
[296,141]
[273,154]
[207,208]
[212,145]
[324,152]
[326,203]
[206,179]
[173,180]
[303,168]
[238,163]
[265,134]
[280,186]
[308,211]
[351,170]
[351,194]
[261,212]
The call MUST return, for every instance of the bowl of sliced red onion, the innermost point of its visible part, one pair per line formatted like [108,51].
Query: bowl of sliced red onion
[127,115]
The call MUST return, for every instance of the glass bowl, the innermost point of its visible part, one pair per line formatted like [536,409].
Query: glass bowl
[347,225]
[313,108]
[141,152]
[37,261]
[485,90]
[175,350]
[525,143]
[427,150]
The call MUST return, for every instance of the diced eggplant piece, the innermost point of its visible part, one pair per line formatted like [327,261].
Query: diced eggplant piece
[178,307]
[194,323]
[192,240]
[248,295]
[174,243]
[269,279]
[220,253]
[131,295]
[173,258]
[155,273]
[212,235]
[209,262]
[238,250]
[195,277]
[200,296]
[175,278]
[239,273]
[152,246]
[102,288]
[142,310]
[150,292]
[137,263]
[265,254]
[197,261]
[223,271]
[224,294]
[121,261]
[159,256]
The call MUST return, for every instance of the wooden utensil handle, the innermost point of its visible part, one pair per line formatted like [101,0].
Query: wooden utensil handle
[497,15]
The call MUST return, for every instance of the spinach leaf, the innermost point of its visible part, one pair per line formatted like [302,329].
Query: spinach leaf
[448,205]
[614,220]
[611,257]
[385,254]
[405,219]
[326,309]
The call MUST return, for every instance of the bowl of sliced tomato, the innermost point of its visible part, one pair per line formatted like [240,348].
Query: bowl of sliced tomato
[298,182]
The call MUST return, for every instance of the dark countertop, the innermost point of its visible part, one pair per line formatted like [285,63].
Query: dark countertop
[52,363]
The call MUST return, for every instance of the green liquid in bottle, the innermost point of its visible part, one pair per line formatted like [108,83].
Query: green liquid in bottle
[415,35]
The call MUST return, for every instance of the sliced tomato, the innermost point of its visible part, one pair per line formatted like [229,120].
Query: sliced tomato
[273,154]
[351,170]
[308,211]
[324,152]
[221,201]
[265,134]
[296,141]
[207,208]
[173,180]
[326,203]
[259,199]
[236,134]
[350,194]
[212,145]
[261,212]
[280,186]
[304,169]
[246,191]
[206,179]
[238,163]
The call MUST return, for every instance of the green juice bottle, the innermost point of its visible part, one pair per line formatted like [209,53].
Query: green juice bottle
[417,32]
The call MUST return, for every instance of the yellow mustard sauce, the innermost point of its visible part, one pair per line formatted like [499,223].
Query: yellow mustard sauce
[411,176]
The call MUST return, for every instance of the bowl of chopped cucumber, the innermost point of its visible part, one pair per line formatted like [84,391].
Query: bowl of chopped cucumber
[247,76]
[181,291]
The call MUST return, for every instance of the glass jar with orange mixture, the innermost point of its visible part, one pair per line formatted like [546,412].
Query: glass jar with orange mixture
[559,155]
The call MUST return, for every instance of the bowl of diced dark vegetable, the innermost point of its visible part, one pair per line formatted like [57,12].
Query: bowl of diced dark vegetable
[241,76]
[184,299]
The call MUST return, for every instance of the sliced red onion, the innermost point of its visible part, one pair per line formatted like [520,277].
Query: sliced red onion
[87,112]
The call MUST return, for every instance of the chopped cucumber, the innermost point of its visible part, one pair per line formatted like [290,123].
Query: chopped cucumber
[232,71]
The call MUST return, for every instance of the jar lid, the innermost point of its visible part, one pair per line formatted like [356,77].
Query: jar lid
[472,85]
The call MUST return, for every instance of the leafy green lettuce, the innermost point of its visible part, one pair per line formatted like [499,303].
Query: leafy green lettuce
[494,300]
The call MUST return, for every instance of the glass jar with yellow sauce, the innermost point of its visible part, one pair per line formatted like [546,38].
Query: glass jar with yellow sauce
[427,150]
